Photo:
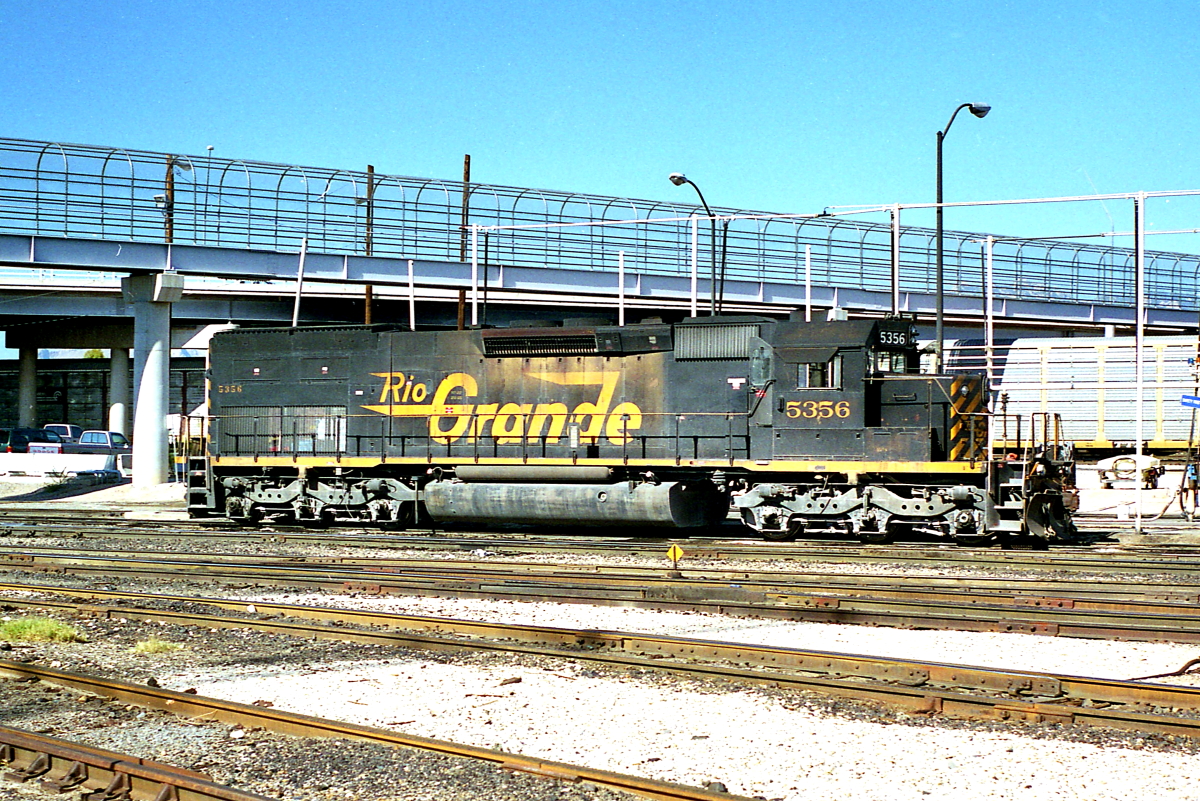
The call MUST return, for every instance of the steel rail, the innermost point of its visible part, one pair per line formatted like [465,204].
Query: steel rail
[1171,559]
[1167,560]
[1155,621]
[198,706]
[912,685]
[57,766]
[1110,595]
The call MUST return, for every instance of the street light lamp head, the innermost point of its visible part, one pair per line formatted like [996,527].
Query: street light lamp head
[980,110]
[678,178]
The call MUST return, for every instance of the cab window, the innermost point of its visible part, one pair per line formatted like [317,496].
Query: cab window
[889,362]
[820,375]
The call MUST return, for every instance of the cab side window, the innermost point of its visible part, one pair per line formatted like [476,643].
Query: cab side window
[820,375]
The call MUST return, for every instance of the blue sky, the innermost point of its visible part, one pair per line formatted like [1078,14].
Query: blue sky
[782,106]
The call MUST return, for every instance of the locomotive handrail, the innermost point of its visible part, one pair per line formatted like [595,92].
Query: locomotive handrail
[298,442]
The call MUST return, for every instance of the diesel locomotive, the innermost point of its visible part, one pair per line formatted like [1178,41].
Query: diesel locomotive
[800,428]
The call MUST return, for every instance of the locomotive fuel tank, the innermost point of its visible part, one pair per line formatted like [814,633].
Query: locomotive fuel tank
[675,504]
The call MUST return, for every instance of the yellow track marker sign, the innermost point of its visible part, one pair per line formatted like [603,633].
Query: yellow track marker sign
[674,553]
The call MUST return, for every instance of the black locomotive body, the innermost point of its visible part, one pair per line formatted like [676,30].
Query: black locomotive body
[802,427]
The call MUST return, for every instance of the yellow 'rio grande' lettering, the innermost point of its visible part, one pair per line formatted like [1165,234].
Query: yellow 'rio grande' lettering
[401,388]
[452,417]
[460,414]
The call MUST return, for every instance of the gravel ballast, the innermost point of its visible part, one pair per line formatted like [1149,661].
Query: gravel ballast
[769,743]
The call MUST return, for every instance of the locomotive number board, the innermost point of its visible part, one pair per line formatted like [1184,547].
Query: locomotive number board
[895,337]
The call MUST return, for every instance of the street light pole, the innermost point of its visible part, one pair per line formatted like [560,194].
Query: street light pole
[979,110]
[679,179]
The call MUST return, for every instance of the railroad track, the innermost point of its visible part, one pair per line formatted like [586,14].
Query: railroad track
[911,685]
[1181,585]
[57,766]
[1130,610]
[197,706]
[1181,559]
[1104,555]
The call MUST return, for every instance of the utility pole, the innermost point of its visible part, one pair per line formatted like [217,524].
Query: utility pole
[466,205]
[369,293]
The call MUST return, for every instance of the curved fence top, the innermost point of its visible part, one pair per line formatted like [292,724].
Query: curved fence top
[53,189]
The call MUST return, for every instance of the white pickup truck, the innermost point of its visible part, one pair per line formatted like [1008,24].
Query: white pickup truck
[107,442]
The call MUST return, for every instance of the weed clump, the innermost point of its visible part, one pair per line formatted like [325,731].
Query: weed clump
[39,629]
[154,646]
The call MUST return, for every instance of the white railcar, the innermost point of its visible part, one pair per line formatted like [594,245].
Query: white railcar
[1092,383]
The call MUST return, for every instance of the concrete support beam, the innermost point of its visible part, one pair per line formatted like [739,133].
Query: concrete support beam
[151,297]
[27,388]
[118,395]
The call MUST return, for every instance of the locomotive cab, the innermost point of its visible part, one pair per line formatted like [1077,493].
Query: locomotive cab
[873,446]
[851,390]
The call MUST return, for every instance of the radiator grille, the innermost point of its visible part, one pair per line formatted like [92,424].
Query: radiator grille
[714,341]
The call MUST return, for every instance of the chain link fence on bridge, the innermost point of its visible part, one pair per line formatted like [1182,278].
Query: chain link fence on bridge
[64,190]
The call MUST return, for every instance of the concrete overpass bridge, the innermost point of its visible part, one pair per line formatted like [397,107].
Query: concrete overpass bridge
[108,248]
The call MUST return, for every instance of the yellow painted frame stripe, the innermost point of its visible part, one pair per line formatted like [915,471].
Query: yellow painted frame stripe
[774,466]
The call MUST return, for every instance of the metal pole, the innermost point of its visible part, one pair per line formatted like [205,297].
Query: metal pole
[412,298]
[207,177]
[370,205]
[808,283]
[169,203]
[695,284]
[487,272]
[896,259]
[939,300]
[474,275]
[979,110]
[1139,240]
[679,179]
[712,289]
[620,287]
[989,338]
[369,291]
[299,282]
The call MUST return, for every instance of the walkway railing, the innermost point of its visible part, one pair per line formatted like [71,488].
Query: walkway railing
[129,195]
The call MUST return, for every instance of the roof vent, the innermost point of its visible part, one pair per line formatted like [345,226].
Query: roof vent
[563,342]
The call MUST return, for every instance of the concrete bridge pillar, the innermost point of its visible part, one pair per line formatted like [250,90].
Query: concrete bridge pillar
[151,297]
[27,388]
[118,395]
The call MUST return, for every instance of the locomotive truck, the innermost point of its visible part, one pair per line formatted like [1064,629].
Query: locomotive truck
[801,428]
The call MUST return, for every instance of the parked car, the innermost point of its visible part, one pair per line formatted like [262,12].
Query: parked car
[68,432]
[30,440]
[99,442]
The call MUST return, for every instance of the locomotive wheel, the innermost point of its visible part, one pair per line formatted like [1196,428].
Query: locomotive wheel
[780,536]
[252,518]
